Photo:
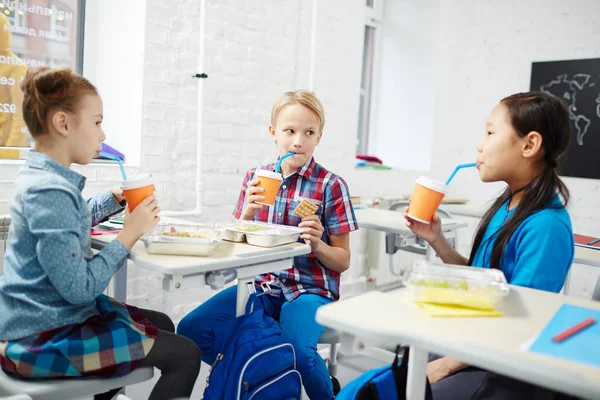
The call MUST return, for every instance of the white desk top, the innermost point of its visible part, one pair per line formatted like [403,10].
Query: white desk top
[394,221]
[490,343]
[587,256]
[227,255]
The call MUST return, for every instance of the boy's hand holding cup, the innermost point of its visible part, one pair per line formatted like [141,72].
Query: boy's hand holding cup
[270,182]
[261,191]
[254,194]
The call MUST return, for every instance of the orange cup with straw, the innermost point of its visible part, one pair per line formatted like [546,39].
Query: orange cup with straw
[270,182]
[136,189]
[426,198]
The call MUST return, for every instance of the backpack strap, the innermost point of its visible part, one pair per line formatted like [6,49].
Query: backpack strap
[401,374]
[253,304]
[400,370]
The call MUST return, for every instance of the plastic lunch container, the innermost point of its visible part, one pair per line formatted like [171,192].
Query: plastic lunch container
[260,233]
[472,287]
[180,239]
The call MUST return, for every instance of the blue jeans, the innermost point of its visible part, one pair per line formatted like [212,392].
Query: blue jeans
[298,327]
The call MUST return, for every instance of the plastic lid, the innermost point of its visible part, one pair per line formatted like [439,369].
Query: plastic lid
[431,184]
[269,174]
[137,182]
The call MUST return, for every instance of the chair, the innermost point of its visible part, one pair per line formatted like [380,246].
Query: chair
[59,389]
[332,338]
[63,389]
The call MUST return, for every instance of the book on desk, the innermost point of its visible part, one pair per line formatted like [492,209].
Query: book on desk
[581,347]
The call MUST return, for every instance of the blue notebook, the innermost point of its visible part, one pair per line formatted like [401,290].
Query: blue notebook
[583,347]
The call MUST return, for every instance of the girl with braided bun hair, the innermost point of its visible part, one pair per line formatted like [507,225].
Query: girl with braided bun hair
[526,232]
[55,320]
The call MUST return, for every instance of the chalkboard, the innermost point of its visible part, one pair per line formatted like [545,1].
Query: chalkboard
[577,82]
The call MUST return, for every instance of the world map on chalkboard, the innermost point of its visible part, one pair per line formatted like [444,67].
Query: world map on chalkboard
[577,82]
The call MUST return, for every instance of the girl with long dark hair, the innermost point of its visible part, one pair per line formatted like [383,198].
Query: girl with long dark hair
[526,232]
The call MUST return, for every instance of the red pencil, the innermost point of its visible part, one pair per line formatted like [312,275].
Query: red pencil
[573,330]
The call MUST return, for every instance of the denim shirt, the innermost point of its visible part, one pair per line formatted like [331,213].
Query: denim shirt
[51,277]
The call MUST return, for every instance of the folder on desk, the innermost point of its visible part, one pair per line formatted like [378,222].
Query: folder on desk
[582,347]
[98,231]
[584,241]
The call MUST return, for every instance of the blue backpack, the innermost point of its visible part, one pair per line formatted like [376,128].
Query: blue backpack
[385,383]
[252,362]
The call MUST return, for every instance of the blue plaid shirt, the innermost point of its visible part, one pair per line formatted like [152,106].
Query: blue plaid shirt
[315,183]
[51,278]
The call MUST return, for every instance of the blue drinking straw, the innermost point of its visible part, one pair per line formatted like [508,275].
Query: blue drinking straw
[278,166]
[460,166]
[117,159]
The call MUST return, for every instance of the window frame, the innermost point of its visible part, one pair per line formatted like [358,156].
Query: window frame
[372,19]
[19,153]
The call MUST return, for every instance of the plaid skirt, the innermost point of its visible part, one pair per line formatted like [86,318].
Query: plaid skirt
[108,345]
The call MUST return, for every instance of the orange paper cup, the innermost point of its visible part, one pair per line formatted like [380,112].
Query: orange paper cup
[135,190]
[426,199]
[270,181]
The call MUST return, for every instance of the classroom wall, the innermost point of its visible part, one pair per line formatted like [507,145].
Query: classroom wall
[484,53]
[257,50]
[254,51]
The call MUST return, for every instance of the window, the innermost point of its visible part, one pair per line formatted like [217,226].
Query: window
[373,14]
[16,17]
[47,33]
[402,95]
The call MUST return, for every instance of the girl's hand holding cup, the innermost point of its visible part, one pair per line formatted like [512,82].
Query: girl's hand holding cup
[139,221]
[430,232]
[117,193]
[421,217]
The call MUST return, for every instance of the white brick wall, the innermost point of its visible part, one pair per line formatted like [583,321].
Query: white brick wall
[255,50]
[484,53]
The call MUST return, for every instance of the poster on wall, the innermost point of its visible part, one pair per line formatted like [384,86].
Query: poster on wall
[33,33]
[577,82]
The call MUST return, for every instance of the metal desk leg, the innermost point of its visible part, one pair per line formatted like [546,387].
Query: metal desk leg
[242,295]
[169,301]
[567,282]
[417,373]
[429,253]
[171,285]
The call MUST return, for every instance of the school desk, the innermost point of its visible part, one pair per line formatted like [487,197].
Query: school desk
[495,343]
[398,234]
[244,260]
[587,256]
